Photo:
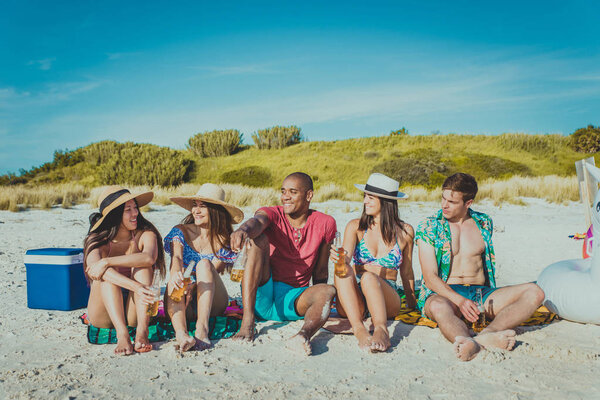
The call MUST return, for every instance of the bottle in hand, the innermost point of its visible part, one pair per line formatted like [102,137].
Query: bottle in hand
[341,269]
[177,294]
[480,323]
[237,271]
[152,309]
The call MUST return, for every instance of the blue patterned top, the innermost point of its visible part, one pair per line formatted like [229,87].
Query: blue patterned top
[362,256]
[224,254]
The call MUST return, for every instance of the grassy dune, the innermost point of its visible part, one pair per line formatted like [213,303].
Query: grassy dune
[508,167]
[350,161]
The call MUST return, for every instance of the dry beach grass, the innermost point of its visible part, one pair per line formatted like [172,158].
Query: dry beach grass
[552,188]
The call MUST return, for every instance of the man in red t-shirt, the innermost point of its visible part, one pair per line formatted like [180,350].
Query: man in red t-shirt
[288,246]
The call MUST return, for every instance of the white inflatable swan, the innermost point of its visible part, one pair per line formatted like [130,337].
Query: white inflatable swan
[572,287]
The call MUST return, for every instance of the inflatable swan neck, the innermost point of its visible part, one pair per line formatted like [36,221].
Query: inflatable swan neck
[595,212]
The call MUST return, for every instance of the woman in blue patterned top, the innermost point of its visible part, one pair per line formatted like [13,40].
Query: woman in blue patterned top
[380,246]
[202,237]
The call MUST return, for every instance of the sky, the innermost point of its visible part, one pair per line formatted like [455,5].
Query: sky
[77,72]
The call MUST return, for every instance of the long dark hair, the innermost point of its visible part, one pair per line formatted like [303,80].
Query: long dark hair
[108,230]
[220,225]
[389,220]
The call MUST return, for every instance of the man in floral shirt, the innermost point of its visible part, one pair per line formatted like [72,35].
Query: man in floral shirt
[457,261]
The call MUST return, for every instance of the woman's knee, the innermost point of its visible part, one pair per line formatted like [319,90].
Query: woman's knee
[204,270]
[369,280]
[143,275]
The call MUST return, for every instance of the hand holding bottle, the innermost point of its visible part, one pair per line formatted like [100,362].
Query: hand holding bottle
[341,269]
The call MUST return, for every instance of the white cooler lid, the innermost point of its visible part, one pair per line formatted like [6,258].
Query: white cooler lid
[54,256]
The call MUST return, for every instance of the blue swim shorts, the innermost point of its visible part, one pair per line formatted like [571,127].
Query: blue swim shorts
[276,301]
[470,291]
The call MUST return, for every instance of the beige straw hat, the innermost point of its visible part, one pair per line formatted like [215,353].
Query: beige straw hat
[210,193]
[113,196]
[382,186]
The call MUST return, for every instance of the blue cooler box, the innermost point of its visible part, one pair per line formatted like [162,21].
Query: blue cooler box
[55,279]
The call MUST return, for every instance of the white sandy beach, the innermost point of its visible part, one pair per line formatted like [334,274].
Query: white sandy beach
[45,354]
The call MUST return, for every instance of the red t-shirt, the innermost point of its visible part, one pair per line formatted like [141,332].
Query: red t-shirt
[294,252]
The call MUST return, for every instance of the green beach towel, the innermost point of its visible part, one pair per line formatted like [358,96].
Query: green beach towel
[159,331]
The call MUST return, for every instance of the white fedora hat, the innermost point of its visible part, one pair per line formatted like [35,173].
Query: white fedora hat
[382,186]
[210,193]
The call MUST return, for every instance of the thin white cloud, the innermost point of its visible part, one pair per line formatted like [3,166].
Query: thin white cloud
[52,93]
[44,64]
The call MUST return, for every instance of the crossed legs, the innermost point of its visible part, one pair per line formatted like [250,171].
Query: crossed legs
[508,307]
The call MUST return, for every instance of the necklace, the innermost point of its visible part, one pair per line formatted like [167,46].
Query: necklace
[297,234]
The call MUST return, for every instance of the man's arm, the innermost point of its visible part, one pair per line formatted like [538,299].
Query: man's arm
[249,230]
[321,270]
[429,268]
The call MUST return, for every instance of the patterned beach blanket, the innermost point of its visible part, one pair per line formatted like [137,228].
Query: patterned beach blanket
[541,316]
[161,329]
[413,316]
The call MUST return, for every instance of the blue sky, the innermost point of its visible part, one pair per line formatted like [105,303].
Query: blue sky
[72,73]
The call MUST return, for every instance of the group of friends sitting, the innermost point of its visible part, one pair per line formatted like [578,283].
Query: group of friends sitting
[290,245]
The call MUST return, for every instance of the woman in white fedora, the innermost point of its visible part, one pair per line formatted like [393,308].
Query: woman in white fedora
[379,244]
[202,237]
[121,251]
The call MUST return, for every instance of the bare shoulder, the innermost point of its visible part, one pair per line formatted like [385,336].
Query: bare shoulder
[406,235]
[409,231]
[353,224]
[147,236]
[181,227]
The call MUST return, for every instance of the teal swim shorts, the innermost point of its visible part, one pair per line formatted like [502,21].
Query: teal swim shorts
[275,301]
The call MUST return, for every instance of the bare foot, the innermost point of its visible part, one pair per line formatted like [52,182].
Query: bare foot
[124,346]
[203,344]
[381,339]
[184,341]
[300,344]
[142,344]
[245,334]
[504,340]
[466,348]
[364,339]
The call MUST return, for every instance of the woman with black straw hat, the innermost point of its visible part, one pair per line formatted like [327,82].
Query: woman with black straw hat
[121,251]
[381,244]
[202,241]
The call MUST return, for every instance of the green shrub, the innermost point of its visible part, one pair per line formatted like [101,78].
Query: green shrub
[215,143]
[145,164]
[586,140]
[414,168]
[277,137]
[431,168]
[400,132]
[100,152]
[250,176]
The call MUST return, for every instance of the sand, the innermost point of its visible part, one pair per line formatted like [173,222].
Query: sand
[44,354]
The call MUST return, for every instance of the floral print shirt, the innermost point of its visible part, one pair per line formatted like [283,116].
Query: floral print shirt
[436,231]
